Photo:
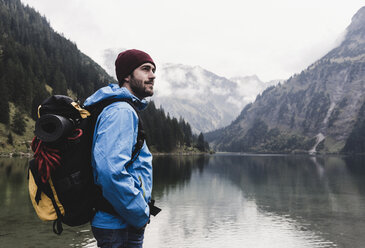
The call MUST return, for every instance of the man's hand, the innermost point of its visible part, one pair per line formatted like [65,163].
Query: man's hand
[153,209]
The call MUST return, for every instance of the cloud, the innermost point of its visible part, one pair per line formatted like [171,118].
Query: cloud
[272,39]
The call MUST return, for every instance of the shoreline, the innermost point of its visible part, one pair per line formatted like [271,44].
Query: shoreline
[196,153]
[30,155]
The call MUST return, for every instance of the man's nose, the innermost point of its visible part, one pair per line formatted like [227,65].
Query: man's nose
[152,75]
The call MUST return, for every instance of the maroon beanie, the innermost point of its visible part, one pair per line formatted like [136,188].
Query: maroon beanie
[129,60]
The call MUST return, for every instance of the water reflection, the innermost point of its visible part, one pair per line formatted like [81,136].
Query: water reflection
[225,200]
[174,171]
[311,201]
[19,225]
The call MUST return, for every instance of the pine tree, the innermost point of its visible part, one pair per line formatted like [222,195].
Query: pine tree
[188,134]
[201,143]
[10,139]
[18,125]
[4,104]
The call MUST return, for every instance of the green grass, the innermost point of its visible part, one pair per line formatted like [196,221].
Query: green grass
[21,143]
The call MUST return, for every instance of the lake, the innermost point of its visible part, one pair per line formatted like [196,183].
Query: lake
[221,200]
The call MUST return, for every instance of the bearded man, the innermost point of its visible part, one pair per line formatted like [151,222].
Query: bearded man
[124,177]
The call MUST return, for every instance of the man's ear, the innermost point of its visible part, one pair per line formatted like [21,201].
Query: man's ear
[126,79]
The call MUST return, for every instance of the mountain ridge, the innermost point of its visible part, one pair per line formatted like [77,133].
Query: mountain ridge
[204,99]
[207,101]
[323,101]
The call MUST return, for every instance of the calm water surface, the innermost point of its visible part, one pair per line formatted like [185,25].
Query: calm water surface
[224,200]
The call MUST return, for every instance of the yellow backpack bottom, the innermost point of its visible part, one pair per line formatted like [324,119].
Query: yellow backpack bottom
[44,206]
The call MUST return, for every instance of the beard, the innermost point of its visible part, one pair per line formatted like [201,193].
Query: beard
[141,88]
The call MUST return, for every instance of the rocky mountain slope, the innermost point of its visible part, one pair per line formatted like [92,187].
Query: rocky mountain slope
[207,101]
[319,109]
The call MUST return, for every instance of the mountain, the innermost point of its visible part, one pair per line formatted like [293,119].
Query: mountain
[320,109]
[36,61]
[250,86]
[207,101]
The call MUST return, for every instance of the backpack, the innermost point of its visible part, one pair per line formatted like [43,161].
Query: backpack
[61,184]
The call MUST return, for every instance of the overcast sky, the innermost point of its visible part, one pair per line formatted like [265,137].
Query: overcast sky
[270,38]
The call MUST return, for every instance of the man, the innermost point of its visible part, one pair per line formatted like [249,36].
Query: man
[127,186]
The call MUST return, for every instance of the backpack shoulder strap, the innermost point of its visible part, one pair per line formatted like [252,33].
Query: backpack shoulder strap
[97,108]
[101,203]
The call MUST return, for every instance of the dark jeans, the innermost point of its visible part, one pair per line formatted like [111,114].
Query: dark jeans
[118,238]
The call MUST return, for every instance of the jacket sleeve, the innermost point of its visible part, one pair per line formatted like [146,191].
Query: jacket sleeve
[114,139]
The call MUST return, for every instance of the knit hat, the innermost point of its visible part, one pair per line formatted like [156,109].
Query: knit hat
[129,60]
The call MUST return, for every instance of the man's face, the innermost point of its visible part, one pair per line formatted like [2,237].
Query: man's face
[142,80]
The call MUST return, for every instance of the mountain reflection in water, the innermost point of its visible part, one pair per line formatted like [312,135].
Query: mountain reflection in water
[260,201]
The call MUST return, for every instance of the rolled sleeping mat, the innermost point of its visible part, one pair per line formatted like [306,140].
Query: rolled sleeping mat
[50,128]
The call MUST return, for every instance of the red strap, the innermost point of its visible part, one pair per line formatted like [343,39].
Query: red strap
[78,135]
[47,158]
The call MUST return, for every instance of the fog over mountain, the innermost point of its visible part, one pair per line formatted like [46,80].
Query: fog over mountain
[205,100]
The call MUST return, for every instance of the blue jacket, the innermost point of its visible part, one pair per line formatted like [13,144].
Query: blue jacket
[127,189]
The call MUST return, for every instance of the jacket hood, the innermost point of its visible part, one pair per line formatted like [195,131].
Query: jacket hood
[113,91]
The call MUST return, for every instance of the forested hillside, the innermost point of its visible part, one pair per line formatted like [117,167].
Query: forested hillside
[166,134]
[36,61]
[34,58]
